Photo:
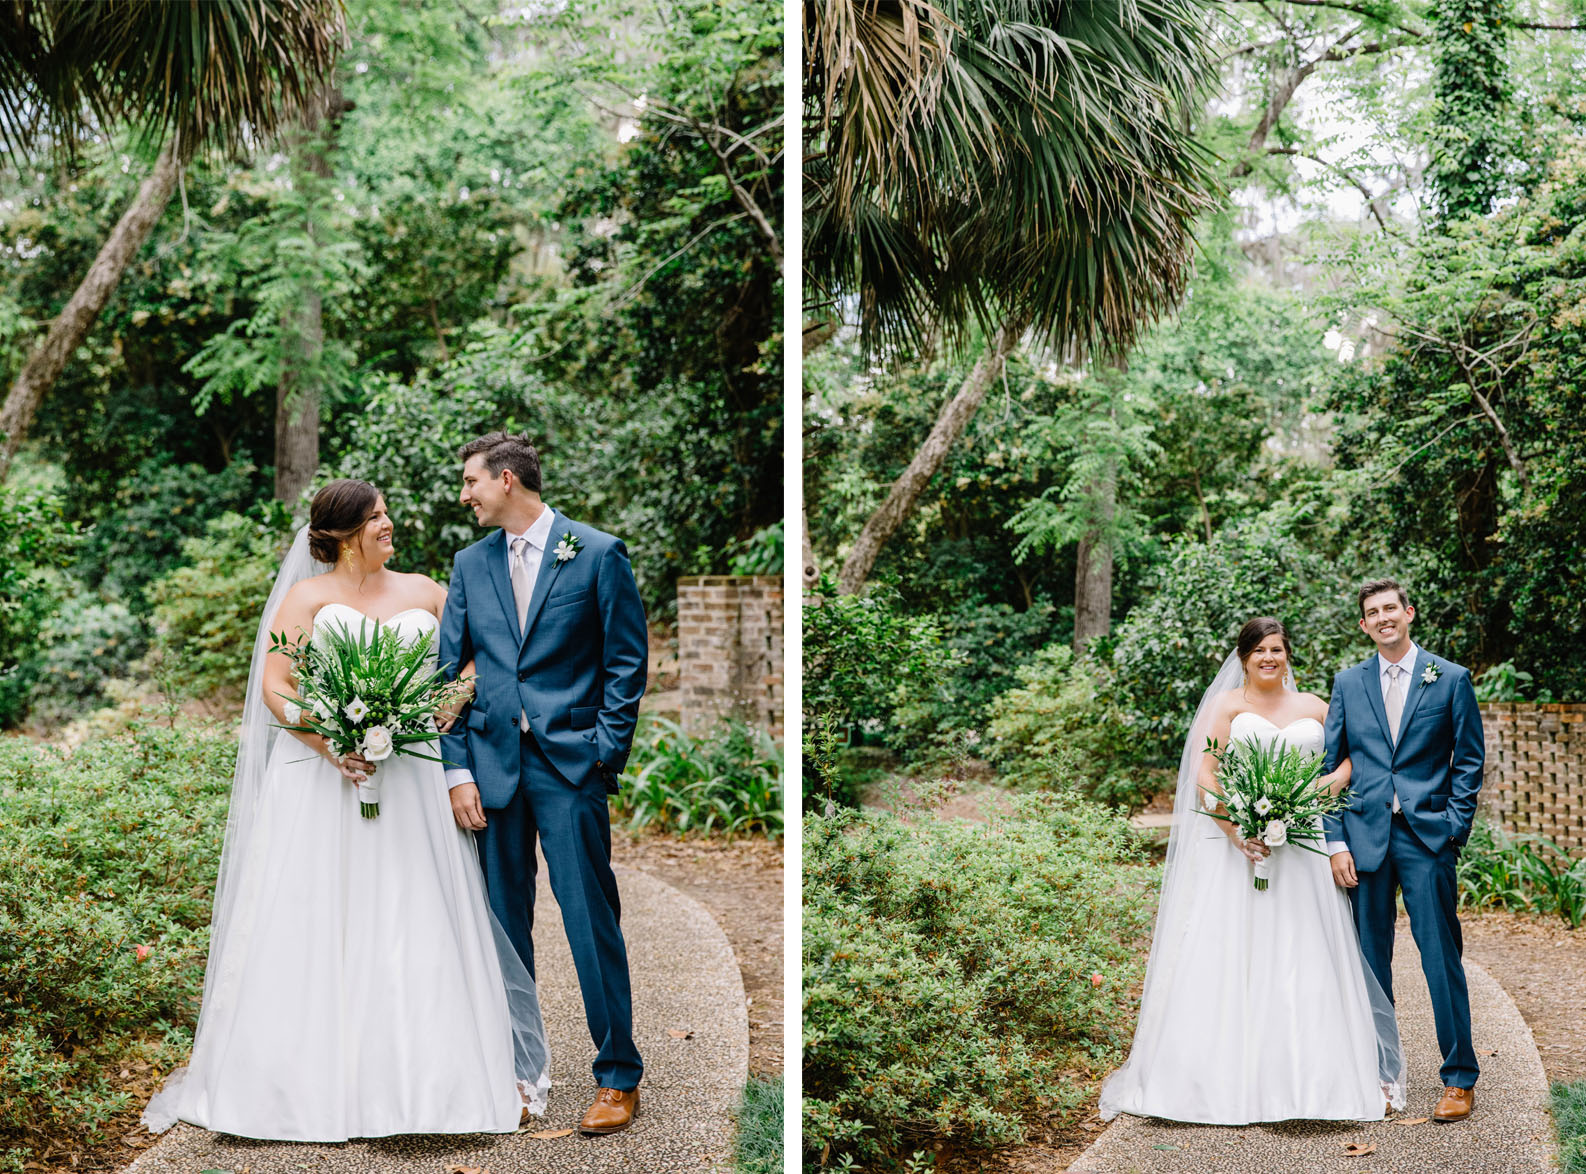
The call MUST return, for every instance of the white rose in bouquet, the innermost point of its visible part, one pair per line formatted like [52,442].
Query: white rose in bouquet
[377,744]
[1276,834]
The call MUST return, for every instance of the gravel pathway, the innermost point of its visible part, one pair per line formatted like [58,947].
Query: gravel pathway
[1509,1132]
[685,978]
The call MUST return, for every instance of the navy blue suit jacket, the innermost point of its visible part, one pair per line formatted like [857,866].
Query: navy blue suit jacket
[578,670]
[1436,767]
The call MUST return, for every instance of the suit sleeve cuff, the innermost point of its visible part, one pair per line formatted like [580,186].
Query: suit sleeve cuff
[1334,847]
[458,775]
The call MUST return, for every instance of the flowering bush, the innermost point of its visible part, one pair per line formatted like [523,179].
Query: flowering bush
[957,977]
[107,866]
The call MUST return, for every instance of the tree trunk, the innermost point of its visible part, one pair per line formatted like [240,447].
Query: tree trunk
[906,490]
[71,326]
[811,572]
[298,394]
[1093,570]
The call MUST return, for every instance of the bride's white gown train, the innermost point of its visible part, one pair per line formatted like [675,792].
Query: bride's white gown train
[361,993]
[1257,1008]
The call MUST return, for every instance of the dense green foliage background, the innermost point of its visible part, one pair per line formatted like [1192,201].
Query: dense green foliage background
[1347,390]
[526,225]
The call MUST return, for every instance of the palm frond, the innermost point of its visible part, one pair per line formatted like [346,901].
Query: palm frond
[219,74]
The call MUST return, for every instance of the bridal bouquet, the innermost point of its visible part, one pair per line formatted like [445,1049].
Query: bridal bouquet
[1269,793]
[373,694]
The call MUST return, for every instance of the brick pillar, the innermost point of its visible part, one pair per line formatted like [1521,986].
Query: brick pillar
[1535,781]
[729,650]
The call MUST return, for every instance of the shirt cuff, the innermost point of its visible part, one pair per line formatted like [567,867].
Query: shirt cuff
[1334,847]
[458,775]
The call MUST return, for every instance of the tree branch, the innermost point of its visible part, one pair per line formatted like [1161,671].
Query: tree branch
[1357,9]
[1371,200]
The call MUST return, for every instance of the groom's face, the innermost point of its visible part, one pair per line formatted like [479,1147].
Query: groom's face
[1386,619]
[482,493]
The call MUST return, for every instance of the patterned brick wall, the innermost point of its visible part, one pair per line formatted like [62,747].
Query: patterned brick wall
[729,650]
[1536,770]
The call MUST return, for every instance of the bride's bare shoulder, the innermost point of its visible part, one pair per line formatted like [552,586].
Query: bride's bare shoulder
[1314,706]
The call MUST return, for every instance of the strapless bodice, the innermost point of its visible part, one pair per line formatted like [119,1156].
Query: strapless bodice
[1306,733]
[410,623]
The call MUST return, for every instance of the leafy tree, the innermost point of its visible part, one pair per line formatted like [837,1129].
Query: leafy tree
[192,74]
[1073,229]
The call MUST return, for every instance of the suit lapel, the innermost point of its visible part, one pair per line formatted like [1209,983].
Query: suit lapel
[496,565]
[1413,700]
[1373,683]
[550,567]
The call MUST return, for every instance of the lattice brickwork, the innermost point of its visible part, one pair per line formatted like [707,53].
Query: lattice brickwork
[729,650]
[1536,770]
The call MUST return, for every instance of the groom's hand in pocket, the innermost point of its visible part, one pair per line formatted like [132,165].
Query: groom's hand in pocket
[466,808]
[1344,870]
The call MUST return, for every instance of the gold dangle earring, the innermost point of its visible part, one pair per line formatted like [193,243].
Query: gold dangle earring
[347,555]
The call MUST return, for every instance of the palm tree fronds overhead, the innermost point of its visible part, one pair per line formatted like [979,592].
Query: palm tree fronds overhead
[212,73]
[972,160]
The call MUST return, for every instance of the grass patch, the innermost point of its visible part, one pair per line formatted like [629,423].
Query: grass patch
[1569,1118]
[758,1147]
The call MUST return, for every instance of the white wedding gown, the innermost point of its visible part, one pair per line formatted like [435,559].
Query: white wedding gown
[1257,1006]
[361,993]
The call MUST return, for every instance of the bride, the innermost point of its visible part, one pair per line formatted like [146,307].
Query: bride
[357,984]
[1257,1006]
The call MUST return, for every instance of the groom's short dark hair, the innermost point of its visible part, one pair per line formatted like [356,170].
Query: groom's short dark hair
[1377,587]
[502,450]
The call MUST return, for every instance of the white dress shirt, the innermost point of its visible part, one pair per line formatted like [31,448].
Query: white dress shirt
[538,535]
[1406,665]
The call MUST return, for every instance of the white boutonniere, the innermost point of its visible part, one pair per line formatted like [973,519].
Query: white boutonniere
[568,547]
[1429,674]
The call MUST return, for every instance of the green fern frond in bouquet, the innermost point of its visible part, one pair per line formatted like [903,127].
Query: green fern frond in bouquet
[1269,793]
[371,693]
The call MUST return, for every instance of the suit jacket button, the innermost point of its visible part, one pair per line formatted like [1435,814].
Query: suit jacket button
[523,676]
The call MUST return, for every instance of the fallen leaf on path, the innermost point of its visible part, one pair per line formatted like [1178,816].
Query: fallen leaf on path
[547,1134]
[1487,1052]
[1354,1149]
[679,1033]
[467,1170]
[1413,1121]
[1164,1147]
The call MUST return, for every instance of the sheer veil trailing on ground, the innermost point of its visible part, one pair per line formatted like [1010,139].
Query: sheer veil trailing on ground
[229,920]
[1188,855]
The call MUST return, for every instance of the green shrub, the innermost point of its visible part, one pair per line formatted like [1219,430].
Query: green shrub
[1529,874]
[140,537]
[1059,728]
[757,1148]
[865,656]
[102,850]
[1569,1119]
[988,641]
[956,974]
[729,781]
[35,539]
[1169,648]
[82,648]
[206,613]
[1504,682]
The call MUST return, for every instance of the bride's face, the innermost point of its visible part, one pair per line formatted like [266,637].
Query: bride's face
[375,543]
[1267,662]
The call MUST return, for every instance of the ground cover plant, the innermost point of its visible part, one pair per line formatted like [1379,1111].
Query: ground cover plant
[1526,874]
[727,782]
[957,976]
[108,856]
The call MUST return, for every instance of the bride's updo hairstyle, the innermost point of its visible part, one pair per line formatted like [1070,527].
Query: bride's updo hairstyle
[337,514]
[1257,630]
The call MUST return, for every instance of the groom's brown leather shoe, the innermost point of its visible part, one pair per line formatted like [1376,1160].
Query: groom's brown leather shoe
[1455,1105]
[613,1110]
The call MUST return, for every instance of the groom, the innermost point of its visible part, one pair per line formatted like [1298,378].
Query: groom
[548,611]
[1408,722]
